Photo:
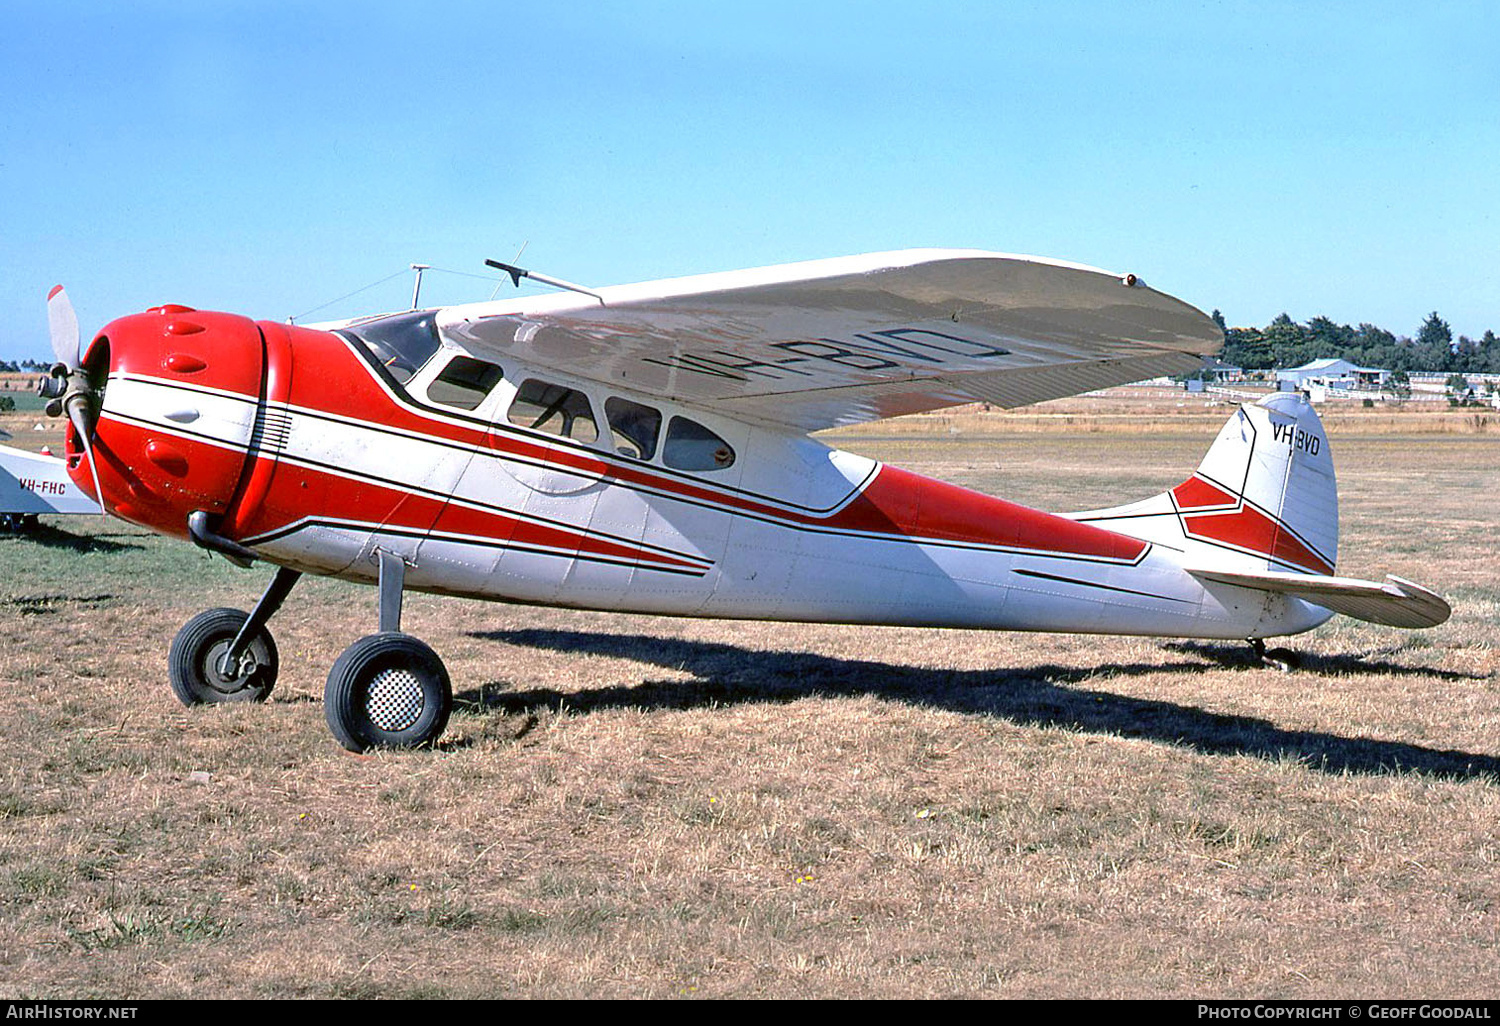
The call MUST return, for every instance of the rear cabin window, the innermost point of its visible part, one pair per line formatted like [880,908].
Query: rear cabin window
[555,409]
[635,427]
[464,383]
[691,446]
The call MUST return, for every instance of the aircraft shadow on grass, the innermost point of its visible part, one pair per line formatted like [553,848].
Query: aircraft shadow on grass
[1039,696]
[43,605]
[50,537]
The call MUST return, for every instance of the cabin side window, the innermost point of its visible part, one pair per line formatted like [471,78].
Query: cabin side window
[635,427]
[464,383]
[555,409]
[691,446]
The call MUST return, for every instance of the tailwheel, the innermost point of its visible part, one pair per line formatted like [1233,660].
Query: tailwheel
[387,690]
[1283,659]
[199,672]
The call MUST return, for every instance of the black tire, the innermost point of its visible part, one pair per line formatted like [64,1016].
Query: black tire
[387,690]
[193,663]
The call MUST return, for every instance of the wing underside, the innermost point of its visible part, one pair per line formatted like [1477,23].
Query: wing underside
[833,342]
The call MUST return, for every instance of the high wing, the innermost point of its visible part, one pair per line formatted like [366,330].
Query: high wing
[831,342]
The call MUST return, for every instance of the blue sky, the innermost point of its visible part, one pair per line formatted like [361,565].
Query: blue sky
[265,158]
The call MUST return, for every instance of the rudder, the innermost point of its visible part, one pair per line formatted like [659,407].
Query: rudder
[1264,497]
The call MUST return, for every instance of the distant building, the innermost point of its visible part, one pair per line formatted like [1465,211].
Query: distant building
[1217,370]
[1331,373]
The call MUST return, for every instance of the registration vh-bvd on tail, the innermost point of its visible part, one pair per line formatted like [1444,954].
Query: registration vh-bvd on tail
[646,448]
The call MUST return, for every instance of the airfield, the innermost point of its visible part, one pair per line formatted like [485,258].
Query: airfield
[629,806]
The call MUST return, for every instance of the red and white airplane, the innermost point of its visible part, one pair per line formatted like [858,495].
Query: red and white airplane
[646,448]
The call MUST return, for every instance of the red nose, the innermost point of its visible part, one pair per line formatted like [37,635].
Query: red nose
[177,411]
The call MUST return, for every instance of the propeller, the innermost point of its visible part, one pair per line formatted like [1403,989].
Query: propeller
[66,385]
[63,323]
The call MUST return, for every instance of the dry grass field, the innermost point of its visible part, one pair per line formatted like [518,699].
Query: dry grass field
[632,806]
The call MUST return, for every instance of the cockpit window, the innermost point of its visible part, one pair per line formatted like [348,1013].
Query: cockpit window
[464,382]
[555,409]
[635,427]
[691,446]
[401,343]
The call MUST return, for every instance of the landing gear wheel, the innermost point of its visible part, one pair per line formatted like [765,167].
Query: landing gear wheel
[195,663]
[387,690]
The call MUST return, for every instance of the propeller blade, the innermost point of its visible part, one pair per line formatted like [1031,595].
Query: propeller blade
[63,323]
[78,416]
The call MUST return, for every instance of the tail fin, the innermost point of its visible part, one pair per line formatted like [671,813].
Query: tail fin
[1264,498]
[1262,512]
[1266,491]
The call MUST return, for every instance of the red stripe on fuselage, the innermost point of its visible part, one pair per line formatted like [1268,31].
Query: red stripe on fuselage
[332,379]
[901,502]
[1196,493]
[1251,529]
[363,502]
[1244,527]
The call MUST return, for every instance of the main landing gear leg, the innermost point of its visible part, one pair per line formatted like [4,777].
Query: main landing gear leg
[387,690]
[1283,659]
[224,655]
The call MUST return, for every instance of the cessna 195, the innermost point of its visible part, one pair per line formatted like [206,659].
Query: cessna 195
[645,448]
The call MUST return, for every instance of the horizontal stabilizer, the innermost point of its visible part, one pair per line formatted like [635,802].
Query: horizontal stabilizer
[1396,603]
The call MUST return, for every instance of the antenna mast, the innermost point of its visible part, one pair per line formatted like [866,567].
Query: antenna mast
[417,289]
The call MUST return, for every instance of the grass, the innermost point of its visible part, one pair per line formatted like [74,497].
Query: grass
[641,807]
[24,396]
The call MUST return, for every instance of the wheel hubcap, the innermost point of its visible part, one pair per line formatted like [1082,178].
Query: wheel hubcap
[231,677]
[394,701]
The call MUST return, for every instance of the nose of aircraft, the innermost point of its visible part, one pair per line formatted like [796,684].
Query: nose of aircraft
[174,393]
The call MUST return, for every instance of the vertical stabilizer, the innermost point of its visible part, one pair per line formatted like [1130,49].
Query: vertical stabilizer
[1264,498]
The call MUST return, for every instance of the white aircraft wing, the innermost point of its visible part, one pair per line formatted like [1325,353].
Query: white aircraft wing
[830,342]
[33,483]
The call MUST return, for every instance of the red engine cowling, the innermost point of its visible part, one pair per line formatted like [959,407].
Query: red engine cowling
[202,373]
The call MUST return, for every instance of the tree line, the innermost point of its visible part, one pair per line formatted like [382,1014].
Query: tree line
[1285,343]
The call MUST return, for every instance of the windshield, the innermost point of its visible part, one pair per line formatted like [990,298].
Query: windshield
[400,343]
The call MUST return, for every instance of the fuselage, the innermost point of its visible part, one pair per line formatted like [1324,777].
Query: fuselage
[317,449]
